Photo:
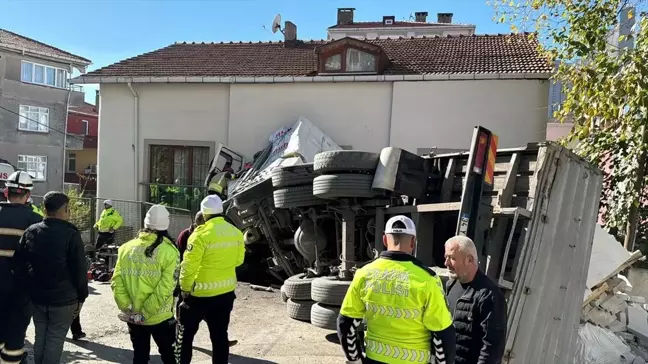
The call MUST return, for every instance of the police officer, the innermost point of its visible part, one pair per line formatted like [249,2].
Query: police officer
[109,221]
[143,282]
[403,303]
[15,217]
[208,280]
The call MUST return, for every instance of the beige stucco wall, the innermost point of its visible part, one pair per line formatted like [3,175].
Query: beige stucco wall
[367,116]
[84,158]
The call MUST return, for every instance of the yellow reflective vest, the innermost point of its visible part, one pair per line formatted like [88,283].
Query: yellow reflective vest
[109,219]
[37,210]
[402,302]
[145,285]
[214,250]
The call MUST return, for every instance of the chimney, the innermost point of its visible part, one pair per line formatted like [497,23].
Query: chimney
[97,101]
[345,16]
[290,32]
[421,16]
[445,18]
[389,20]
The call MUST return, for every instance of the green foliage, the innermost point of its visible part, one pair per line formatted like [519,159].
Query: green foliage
[607,98]
[80,209]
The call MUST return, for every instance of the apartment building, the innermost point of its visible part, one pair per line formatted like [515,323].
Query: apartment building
[81,144]
[34,97]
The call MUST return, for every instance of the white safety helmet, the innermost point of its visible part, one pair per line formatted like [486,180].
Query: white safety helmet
[20,180]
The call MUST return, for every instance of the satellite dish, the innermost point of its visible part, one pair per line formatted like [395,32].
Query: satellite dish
[276,23]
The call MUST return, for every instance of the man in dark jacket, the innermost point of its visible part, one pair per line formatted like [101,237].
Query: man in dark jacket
[15,313]
[54,269]
[477,306]
[184,235]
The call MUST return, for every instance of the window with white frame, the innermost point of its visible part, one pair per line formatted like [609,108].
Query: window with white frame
[43,75]
[35,166]
[84,127]
[33,118]
[71,162]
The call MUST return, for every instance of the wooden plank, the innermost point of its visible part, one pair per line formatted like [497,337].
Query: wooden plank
[448,180]
[431,207]
[510,211]
[506,194]
[596,294]
[630,261]
[522,183]
[526,164]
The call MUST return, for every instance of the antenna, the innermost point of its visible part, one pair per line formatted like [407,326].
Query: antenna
[276,24]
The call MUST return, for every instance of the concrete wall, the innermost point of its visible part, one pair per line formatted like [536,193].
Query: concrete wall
[367,116]
[13,142]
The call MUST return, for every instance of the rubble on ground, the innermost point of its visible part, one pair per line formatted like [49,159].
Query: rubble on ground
[615,321]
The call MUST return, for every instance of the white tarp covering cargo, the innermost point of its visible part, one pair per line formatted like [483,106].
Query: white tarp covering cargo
[290,146]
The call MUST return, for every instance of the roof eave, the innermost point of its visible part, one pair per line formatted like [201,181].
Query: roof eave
[77,62]
[302,79]
[444,26]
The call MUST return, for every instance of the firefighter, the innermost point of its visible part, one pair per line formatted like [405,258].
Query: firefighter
[218,183]
[109,221]
[30,203]
[403,303]
[15,314]
[143,282]
[208,280]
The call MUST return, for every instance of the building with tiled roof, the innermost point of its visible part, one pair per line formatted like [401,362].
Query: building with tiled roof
[34,100]
[416,26]
[164,113]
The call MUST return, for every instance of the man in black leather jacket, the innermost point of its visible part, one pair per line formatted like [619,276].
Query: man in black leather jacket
[55,272]
[15,217]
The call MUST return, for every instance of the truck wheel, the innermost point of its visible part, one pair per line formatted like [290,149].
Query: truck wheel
[299,309]
[332,186]
[291,197]
[298,287]
[324,316]
[345,161]
[329,290]
[291,176]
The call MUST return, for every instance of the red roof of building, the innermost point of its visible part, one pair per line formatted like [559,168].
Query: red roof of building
[22,43]
[86,108]
[409,24]
[437,55]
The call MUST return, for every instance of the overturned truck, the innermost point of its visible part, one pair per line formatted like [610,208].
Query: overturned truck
[531,212]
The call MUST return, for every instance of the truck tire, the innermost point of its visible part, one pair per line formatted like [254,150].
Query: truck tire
[333,186]
[324,316]
[292,197]
[345,161]
[291,176]
[329,290]
[298,287]
[299,309]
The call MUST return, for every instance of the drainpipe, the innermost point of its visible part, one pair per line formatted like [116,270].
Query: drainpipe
[135,139]
[65,129]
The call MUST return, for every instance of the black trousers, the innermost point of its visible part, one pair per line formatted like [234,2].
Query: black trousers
[163,334]
[15,315]
[216,312]
[76,326]
[104,239]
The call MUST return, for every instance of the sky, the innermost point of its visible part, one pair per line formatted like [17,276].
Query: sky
[108,31]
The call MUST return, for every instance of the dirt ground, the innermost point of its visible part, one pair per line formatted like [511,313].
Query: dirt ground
[265,334]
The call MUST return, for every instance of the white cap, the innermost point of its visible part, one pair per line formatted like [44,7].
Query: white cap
[211,205]
[157,218]
[409,229]
[108,202]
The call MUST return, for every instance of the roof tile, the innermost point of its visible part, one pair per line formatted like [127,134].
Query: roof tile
[409,56]
[398,23]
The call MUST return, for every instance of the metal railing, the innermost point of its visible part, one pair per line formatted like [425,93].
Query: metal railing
[85,212]
[175,196]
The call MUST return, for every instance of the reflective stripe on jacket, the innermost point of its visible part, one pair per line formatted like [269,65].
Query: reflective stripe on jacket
[145,285]
[109,219]
[403,303]
[209,264]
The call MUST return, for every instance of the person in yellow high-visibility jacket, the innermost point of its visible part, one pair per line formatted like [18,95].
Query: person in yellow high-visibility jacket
[109,221]
[208,280]
[36,209]
[408,320]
